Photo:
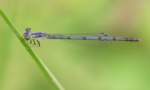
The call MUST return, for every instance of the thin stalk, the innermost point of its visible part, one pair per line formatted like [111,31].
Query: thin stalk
[48,74]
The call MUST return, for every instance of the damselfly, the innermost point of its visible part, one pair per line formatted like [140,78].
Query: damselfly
[34,37]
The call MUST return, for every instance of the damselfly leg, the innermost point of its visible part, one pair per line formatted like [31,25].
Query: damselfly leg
[38,43]
[34,42]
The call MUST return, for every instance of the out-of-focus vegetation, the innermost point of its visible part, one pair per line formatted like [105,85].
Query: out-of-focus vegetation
[78,65]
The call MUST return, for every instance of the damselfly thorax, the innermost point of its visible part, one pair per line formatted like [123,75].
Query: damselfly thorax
[34,37]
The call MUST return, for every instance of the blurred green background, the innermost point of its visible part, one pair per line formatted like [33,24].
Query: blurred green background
[78,65]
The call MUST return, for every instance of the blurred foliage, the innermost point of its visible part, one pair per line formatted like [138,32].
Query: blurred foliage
[78,65]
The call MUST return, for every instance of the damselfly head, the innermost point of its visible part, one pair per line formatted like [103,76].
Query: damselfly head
[27,34]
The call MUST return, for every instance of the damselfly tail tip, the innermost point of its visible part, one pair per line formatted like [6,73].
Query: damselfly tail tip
[134,40]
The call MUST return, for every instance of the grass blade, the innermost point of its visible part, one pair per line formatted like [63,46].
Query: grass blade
[52,79]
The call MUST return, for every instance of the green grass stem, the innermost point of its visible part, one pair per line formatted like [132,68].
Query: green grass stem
[48,74]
